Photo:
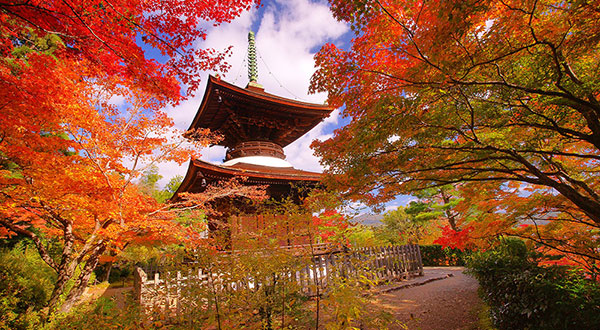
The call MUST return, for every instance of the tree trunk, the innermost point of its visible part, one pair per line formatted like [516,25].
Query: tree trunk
[59,287]
[107,276]
[66,273]
[452,221]
[76,292]
[449,215]
[83,279]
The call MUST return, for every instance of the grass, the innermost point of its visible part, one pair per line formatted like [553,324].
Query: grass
[484,321]
[121,283]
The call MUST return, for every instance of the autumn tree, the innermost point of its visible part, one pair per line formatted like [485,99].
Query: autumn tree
[413,224]
[148,184]
[111,36]
[69,156]
[436,203]
[400,228]
[499,96]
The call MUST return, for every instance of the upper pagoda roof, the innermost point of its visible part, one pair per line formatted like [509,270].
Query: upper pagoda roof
[251,114]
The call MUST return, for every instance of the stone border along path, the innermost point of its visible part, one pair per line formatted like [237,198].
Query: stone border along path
[444,299]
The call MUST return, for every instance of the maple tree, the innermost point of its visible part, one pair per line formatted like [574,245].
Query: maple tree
[331,227]
[499,97]
[69,156]
[85,198]
[111,35]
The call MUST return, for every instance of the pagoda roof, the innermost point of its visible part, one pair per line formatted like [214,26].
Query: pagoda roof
[253,174]
[247,114]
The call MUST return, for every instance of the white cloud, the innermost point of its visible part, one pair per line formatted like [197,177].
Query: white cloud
[288,33]
[117,100]
[299,153]
[289,30]
[391,208]
[214,154]
[356,208]
[485,28]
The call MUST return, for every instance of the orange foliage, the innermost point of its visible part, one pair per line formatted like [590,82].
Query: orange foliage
[69,156]
[497,97]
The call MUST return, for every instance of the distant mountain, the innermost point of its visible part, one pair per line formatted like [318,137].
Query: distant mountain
[368,219]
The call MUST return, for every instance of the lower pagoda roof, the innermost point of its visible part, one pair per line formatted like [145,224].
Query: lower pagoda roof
[200,173]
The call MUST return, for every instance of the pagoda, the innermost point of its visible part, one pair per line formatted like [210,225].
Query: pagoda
[255,127]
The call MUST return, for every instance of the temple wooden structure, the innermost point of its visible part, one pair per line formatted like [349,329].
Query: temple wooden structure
[255,127]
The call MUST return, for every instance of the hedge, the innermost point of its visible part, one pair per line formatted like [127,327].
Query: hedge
[436,255]
[523,295]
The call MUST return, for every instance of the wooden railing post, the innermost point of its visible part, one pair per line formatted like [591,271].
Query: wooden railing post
[420,260]
[139,279]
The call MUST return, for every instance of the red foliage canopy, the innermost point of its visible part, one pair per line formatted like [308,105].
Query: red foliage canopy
[111,34]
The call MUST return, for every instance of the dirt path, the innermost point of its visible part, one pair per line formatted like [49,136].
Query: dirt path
[118,295]
[448,304]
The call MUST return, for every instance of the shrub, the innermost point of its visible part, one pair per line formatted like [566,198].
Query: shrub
[523,295]
[25,286]
[436,255]
[98,315]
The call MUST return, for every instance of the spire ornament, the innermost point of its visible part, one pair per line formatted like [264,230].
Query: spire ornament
[252,66]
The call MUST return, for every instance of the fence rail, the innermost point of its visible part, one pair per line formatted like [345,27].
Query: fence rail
[168,290]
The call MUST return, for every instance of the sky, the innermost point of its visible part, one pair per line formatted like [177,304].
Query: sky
[288,34]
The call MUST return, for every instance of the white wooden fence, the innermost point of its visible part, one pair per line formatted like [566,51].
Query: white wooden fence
[379,264]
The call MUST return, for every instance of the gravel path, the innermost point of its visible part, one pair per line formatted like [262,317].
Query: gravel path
[446,304]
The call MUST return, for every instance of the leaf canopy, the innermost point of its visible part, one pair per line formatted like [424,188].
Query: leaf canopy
[498,97]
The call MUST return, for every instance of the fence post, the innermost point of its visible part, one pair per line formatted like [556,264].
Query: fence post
[167,279]
[413,258]
[178,296]
[156,298]
[388,262]
[397,261]
[405,262]
[139,279]
[420,260]
[379,263]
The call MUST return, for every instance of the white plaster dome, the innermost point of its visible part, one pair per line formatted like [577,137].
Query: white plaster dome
[259,160]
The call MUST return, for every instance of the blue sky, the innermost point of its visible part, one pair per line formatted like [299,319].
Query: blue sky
[288,34]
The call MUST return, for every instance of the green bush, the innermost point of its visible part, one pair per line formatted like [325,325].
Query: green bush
[436,255]
[100,314]
[26,283]
[523,295]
